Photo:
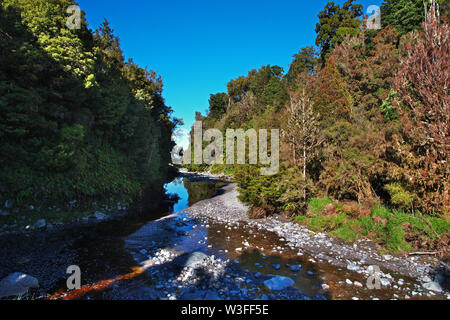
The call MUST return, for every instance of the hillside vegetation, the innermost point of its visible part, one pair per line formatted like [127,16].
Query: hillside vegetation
[78,123]
[364,125]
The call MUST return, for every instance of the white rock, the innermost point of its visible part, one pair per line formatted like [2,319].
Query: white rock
[353,267]
[196,259]
[433,286]
[278,283]
[385,282]
[17,284]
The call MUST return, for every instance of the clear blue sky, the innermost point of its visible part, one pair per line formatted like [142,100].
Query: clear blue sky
[197,46]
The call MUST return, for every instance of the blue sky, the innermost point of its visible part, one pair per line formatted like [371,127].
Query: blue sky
[197,46]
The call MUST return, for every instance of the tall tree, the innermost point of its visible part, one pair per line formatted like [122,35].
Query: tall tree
[304,60]
[218,104]
[404,15]
[302,131]
[335,22]
[424,146]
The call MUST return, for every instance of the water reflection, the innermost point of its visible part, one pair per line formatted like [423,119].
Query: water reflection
[177,187]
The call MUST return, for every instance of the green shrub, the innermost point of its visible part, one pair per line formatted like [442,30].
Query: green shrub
[400,197]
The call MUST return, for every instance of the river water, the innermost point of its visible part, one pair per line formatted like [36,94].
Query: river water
[112,268]
[111,271]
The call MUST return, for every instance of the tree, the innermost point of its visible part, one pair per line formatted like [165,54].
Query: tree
[304,60]
[218,104]
[423,148]
[76,122]
[404,15]
[335,23]
[302,131]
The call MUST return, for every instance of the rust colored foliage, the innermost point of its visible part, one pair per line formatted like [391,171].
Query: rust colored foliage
[423,146]
[333,100]
[257,213]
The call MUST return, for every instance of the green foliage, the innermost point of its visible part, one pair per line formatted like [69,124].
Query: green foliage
[256,189]
[400,197]
[218,105]
[77,122]
[389,111]
[404,15]
[367,151]
[315,205]
[397,231]
[304,61]
[335,23]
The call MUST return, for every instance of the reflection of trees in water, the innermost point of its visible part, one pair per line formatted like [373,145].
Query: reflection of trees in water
[199,190]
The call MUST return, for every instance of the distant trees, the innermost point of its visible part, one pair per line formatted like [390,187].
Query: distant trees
[218,104]
[304,61]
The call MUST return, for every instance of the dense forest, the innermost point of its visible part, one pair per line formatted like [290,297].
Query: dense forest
[78,123]
[364,122]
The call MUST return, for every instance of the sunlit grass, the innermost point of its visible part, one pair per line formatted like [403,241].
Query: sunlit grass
[391,229]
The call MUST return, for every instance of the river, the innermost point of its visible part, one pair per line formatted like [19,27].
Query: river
[150,255]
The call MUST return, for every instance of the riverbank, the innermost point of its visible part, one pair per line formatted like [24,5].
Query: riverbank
[210,250]
[426,272]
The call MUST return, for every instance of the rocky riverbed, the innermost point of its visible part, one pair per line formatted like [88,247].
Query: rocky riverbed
[211,250]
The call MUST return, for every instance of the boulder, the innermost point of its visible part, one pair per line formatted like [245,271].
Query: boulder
[279,283]
[433,286]
[195,259]
[17,284]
